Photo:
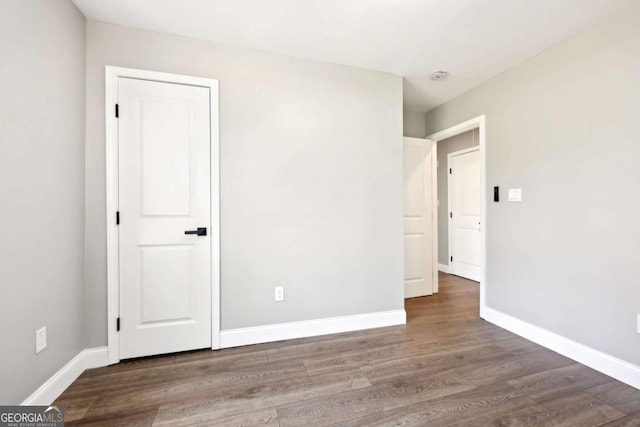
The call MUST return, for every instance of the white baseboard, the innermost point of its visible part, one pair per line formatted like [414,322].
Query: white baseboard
[96,357]
[310,328]
[444,268]
[619,369]
[54,386]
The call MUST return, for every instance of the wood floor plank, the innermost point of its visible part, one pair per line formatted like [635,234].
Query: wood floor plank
[117,380]
[368,355]
[445,367]
[134,416]
[459,407]
[262,395]
[632,420]
[76,407]
[337,345]
[213,386]
[338,407]
[267,417]
[510,366]
[577,409]
[554,383]
[477,363]
[618,395]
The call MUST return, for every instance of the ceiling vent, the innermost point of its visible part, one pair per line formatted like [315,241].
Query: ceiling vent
[439,75]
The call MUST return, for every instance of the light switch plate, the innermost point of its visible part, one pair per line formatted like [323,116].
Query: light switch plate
[515,194]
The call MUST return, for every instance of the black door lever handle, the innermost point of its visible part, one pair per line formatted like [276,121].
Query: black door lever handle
[201,231]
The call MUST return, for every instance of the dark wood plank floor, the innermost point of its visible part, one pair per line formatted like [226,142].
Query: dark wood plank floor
[446,367]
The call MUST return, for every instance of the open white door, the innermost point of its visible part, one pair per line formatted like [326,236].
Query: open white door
[420,272]
[164,191]
[464,218]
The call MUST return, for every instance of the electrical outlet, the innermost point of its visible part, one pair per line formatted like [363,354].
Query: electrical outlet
[41,339]
[638,325]
[279,293]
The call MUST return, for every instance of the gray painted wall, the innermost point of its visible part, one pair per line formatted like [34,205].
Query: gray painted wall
[455,143]
[311,178]
[414,124]
[563,126]
[42,127]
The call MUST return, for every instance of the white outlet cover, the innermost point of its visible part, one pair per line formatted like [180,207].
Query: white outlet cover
[515,194]
[41,339]
[279,291]
[638,326]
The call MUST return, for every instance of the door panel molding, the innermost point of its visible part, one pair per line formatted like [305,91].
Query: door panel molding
[112,75]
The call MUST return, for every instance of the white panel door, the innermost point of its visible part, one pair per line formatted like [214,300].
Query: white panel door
[420,273]
[164,191]
[464,208]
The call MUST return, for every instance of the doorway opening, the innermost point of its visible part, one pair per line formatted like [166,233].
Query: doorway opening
[460,201]
[459,206]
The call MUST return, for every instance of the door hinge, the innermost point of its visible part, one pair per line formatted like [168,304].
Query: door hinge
[117,217]
[450,171]
[117,111]
[450,214]
[451,261]
[118,324]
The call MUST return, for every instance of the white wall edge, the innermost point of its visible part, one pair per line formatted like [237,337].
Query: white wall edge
[619,369]
[444,268]
[310,328]
[48,392]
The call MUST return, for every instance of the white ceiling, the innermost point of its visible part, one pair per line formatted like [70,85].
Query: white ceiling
[472,39]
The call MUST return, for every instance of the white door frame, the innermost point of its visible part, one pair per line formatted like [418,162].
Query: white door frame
[449,218]
[112,74]
[434,212]
[480,124]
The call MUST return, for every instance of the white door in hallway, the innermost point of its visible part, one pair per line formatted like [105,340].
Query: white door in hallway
[420,272]
[464,213]
[164,192]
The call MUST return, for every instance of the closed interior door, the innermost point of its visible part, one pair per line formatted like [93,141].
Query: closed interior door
[164,190]
[419,266]
[464,207]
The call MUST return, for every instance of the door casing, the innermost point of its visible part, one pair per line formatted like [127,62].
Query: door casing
[112,74]
[480,124]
